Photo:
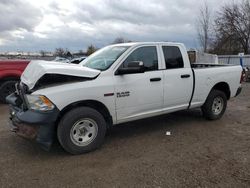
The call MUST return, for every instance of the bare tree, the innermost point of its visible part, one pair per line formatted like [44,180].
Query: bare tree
[119,40]
[91,49]
[233,27]
[43,53]
[59,52]
[204,26]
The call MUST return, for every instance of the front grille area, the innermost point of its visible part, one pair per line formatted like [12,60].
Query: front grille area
[22,89]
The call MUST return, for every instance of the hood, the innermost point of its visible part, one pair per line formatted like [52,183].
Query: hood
[37,69]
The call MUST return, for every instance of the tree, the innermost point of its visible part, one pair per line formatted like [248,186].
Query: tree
[63,53]
[119,40]
[59,52]
[233,28]
[43,53]
[91,49]
[204,27]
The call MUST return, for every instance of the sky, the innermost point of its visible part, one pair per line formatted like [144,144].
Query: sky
[34,25]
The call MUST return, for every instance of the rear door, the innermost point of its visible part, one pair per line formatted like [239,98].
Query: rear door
[140,95]
[178,79]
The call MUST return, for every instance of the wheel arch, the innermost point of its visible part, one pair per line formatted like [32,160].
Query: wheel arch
[9,78]
[100,107]
[8,75]
[224,87]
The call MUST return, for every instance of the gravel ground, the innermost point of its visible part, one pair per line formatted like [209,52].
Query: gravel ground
[198,153]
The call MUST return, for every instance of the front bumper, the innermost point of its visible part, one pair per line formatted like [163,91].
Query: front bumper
[35,125]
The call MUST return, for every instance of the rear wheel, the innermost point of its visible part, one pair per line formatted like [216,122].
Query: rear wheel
[81,130]
[6,88]
[215,105]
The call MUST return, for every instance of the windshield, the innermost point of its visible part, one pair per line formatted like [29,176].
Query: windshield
[104,58]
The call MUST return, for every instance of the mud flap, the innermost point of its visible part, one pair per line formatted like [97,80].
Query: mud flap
[45,136]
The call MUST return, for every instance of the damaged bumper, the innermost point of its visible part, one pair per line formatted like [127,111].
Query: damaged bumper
[34,125]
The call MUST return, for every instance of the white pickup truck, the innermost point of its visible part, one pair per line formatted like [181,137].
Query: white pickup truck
[117,84]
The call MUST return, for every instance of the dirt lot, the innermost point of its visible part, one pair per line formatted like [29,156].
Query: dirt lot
[199,153]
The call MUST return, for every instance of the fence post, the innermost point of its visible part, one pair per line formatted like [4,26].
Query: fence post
[241,58]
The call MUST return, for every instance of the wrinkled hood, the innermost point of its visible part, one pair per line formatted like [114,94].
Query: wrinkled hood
[37,69]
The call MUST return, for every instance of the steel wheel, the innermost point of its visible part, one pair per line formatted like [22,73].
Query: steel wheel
[218,105]
[83,132]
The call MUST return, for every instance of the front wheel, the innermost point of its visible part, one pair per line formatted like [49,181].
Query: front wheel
[81,130]
[215,105]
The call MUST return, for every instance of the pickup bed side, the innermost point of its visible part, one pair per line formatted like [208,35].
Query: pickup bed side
[225,78]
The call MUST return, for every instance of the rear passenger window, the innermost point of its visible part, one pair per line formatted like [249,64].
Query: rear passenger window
[147,54]
[173,57]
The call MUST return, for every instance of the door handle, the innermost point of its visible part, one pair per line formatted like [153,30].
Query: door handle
[155,79]
[185,76]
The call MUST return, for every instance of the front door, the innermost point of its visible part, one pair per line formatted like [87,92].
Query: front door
[140,95]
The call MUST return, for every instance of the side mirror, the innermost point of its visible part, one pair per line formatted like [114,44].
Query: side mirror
[133,68]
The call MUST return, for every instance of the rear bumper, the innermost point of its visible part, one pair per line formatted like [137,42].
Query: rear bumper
[238,91]
[34,125]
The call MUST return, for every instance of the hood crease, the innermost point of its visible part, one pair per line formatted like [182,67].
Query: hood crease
[37,69]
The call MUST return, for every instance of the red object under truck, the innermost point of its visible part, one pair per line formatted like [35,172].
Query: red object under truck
[10,72]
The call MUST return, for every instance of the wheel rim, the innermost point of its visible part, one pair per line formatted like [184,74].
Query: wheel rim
[84,132]
[218,105]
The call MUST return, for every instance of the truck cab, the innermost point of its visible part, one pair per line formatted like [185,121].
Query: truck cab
[159,88]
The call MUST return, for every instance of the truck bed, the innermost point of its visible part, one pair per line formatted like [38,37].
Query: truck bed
[206,76]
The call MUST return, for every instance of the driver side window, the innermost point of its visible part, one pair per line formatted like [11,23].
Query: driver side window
[147,54]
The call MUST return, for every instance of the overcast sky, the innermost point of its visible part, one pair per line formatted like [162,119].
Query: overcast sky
[34,25]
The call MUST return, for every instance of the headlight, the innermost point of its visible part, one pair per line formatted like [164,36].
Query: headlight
[39,102]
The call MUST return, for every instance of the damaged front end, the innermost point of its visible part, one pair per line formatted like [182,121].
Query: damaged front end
[33,115]
[30,123]
[50,80]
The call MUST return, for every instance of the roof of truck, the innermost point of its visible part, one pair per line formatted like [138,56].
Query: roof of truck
[146,43]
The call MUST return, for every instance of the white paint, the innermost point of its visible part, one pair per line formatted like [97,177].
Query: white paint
[36,69]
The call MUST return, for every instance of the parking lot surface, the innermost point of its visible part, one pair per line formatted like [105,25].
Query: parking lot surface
[198,153]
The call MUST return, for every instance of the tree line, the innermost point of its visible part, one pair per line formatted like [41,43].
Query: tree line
[61,52]
[226,31]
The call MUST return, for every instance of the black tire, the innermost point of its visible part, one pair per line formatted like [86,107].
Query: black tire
[207,108]
[6,88]
[69,120]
